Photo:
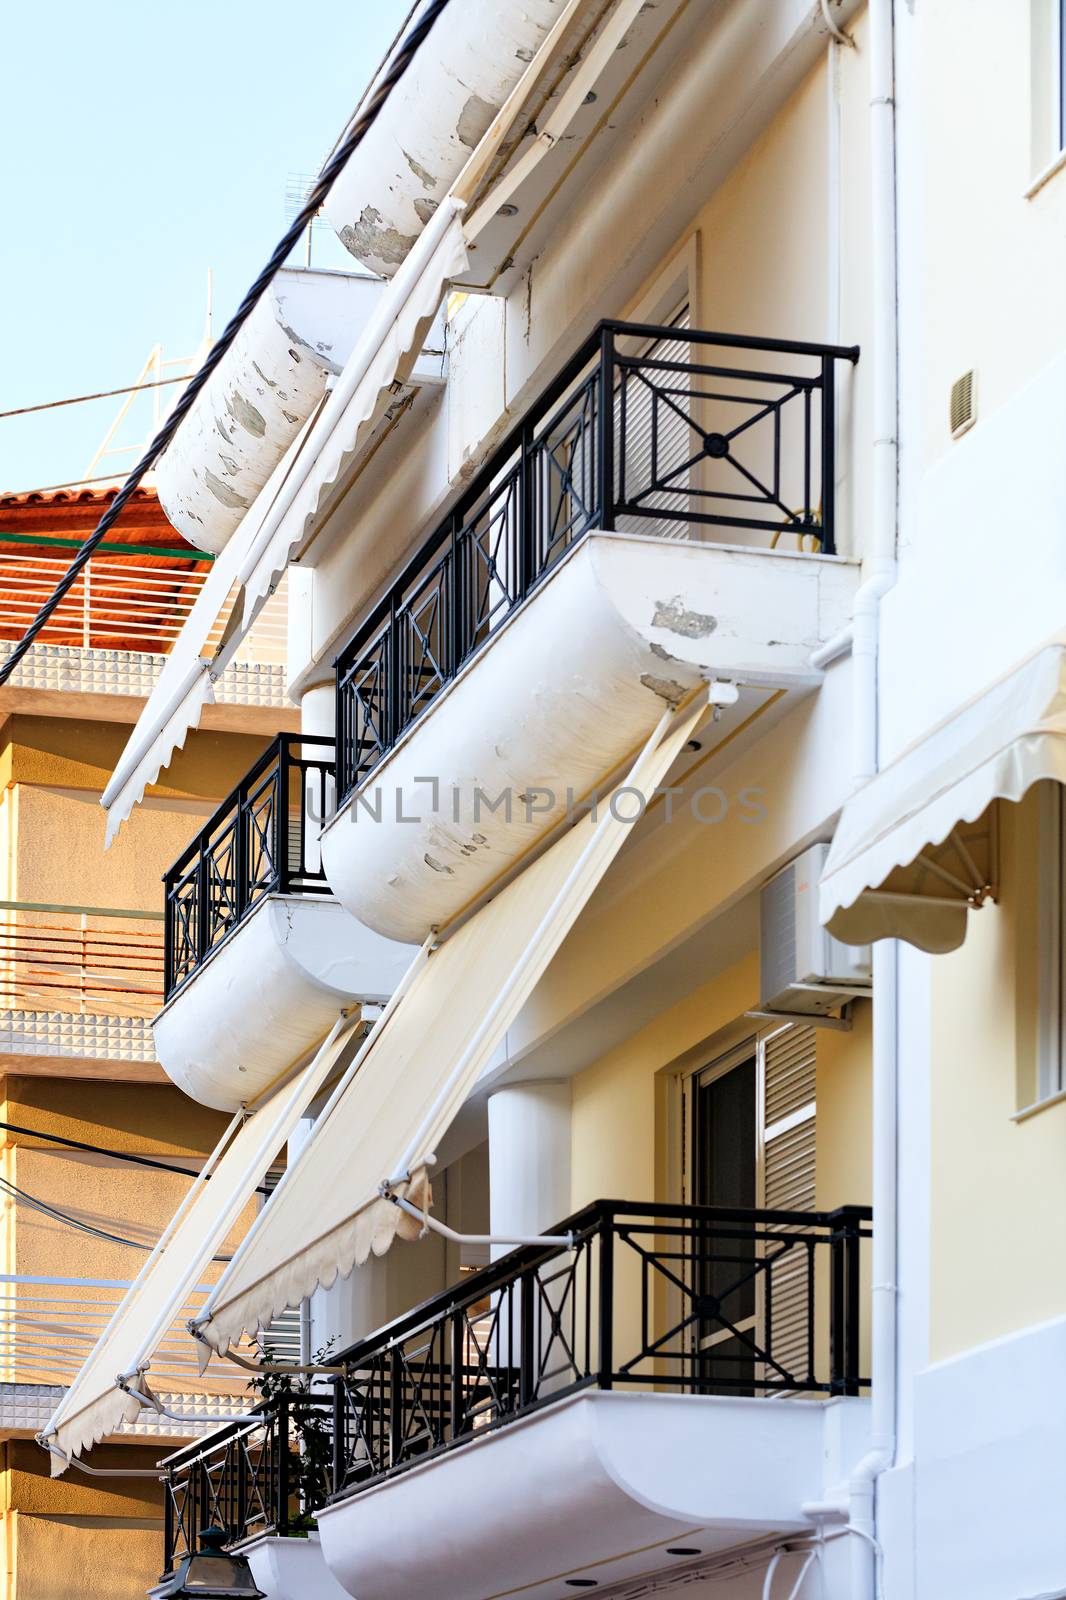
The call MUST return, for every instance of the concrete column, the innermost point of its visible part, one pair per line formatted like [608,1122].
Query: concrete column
[529,1158]
[318,716]
[318,709]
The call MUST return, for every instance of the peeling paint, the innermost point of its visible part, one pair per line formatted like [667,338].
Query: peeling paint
[672,615]
[268,381]
[229,463]
[475,119]
[666,688]
[424,209]
[420,172]
[370,238]
[243,412]
[224,494]
[660,651]
[290,416]
[438,866]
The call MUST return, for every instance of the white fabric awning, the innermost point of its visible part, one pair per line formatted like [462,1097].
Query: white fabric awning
[915,848]
[277,525]
[418,1067]
[95,1405]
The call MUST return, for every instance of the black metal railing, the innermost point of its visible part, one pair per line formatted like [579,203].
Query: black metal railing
[265,1475]
[263,839]
[690,442]
[671,1298]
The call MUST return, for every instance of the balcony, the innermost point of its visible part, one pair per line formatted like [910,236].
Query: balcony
[78,985]
[587,558]
[258,956]
[584,1410]
[112,632]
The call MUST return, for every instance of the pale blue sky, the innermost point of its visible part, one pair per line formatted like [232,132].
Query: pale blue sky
[142,144]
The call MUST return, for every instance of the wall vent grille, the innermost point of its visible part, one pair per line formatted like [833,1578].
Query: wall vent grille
[963,403]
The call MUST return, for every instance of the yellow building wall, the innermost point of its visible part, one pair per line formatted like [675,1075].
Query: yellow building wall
[625,1117]
[1005,314]
[72,1539]
[995,1221]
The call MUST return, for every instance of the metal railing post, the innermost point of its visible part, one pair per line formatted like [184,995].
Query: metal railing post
[605,452]
[281,1426]
[168,1525]
[527,513]
[393,675]
[283,774]
[395,1406]
[338,1433]
[456,1376]
[526,1337]
[241,1489]
[203,903]
[606,1303]
[829,412]
[241,855]
[845,1313]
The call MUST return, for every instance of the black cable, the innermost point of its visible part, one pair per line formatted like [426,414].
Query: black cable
[363,122]
[31,1200]
[102,1150]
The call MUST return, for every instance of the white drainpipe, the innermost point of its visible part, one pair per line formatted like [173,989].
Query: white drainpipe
[858,1507]
[879,566]
[881,570]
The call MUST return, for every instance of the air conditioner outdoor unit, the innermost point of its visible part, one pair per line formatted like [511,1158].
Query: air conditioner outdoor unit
[801,968]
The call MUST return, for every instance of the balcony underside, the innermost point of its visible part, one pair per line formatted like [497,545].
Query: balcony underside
[600,1486]
[557,699]
[268,994]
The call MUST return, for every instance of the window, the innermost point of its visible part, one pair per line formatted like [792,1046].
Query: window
[752,1130]
[1052,941]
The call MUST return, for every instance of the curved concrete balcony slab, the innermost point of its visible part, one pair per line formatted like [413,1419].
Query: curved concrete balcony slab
[267,994]
[291,1568]
[605,1487]
[555,702]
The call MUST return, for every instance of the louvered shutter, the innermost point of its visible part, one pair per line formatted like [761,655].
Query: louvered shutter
[282,1335]
[788,1075]
[654,410]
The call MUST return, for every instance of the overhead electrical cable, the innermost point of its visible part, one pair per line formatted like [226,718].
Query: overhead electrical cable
[102,1150]
[361,125]
[35,1204]
[79,399]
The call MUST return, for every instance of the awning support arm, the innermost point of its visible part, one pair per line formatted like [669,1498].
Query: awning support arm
[96,1472]
[155,1404]
[567,1240]
[263,1367]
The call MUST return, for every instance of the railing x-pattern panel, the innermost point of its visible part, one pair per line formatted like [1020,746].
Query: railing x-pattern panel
[633,435]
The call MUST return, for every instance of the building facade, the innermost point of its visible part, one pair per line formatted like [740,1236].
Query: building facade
[98,1145]
[669,851]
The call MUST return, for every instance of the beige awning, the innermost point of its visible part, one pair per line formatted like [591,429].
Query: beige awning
[915,849]
[95,1404]
[282,518]
[418,1067]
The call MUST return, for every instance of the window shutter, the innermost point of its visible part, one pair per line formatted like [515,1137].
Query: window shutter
[788,1177]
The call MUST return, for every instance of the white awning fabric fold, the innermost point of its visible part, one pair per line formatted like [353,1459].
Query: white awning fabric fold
[915,849]
[417,1068]
[380,365]
[95,1404]
[277,525]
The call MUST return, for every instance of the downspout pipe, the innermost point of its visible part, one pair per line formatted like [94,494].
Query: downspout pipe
[879,565]
[856,1508]
[866,1555]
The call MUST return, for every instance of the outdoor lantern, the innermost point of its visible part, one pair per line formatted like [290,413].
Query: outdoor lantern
[211,1572]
